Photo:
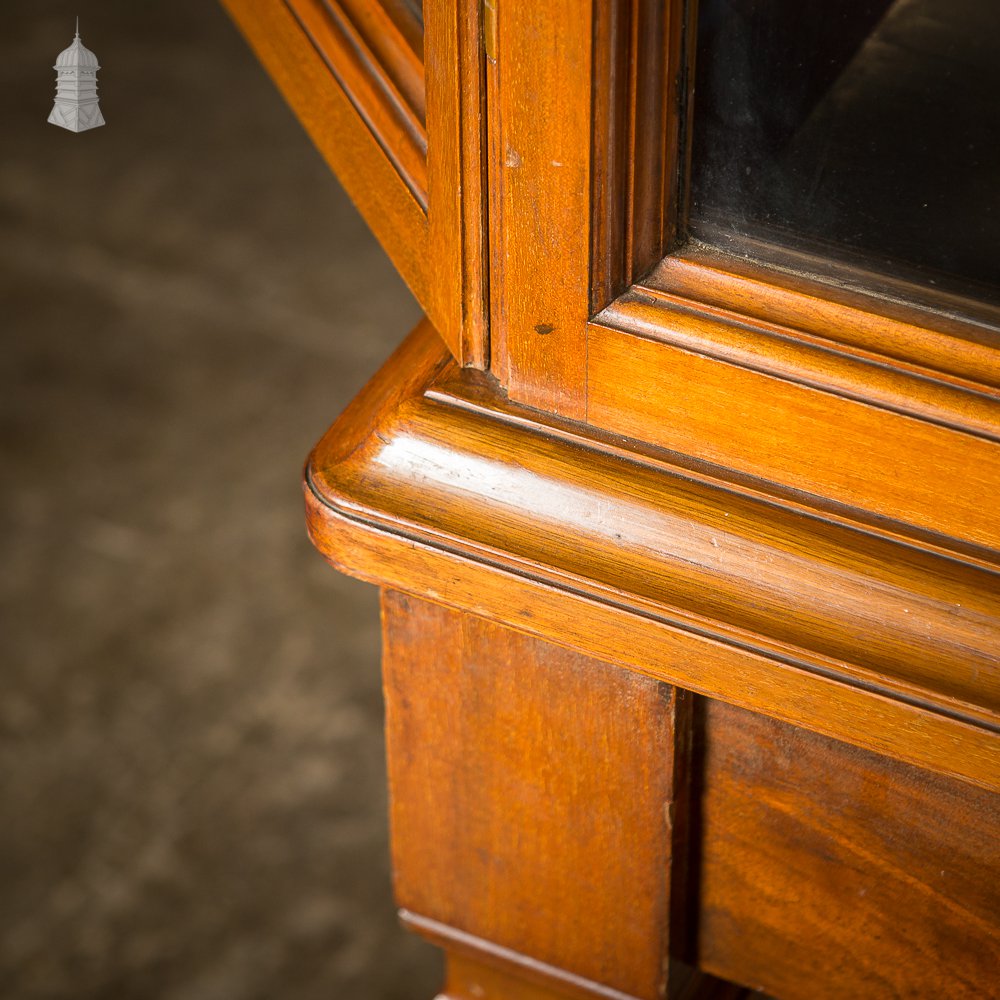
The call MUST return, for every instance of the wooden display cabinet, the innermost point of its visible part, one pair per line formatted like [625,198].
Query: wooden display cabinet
[688,545]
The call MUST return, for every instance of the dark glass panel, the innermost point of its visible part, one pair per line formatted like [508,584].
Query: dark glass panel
[865,130]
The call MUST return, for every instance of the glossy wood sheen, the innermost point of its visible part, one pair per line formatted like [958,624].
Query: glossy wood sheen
[920,329]
[470,980]
[354,73]
[372,178]
[539,175]
[774,486]
[704,582]
[395,122]
[456,86]
[392,33]
[530,790]
[830,872]
[818,437]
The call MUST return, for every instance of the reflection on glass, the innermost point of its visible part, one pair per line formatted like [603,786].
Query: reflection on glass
[867,130]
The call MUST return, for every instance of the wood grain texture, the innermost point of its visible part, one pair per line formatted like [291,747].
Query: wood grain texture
[784,500]
[392,33]
[372,178]
[473,978]
[539,90]
[814,435]
[923,329]
[640,83]
[339,32]
[803,358]
[530,790]
[872,636]
[456,95]
[830,872]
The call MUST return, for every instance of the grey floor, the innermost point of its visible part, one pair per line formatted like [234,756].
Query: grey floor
[191,766]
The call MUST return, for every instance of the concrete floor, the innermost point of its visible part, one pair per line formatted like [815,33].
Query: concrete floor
[191,762]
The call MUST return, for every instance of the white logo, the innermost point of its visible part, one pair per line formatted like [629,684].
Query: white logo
[76,106]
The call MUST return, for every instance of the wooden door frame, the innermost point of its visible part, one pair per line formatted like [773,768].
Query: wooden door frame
[588,157]
[395,109]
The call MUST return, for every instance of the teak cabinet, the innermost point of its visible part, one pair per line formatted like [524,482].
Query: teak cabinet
[687,529]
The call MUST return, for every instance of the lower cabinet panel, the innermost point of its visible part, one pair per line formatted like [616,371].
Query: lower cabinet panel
[568,824]
[531,797]
[828,871]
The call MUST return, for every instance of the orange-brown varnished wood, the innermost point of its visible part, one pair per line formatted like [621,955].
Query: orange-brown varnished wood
[539,176]
[830,872]
[639,79]
[817,438]
[922,329]
[738,473]
[394,36]
[397,127]
[371,175]
[380,72]
[878,638]
[531,792]
[469,979]
[456,168]
[803,358]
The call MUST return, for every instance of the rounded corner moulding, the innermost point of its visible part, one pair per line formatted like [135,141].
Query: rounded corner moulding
[801,595]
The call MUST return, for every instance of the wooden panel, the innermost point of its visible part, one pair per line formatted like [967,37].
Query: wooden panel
[919,328]
[639,81]
[391,32]
[456,176]
[370,175]
[469,979]
[829,872]
[395,123]
[478,504]
[915,471]
[539,162]
[529,791]
[805,359]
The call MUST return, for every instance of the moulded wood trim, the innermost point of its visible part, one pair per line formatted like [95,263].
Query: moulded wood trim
[459,942]
[529,722]
[938,354]
[872,638]
[457,194]
[802,358]
[800,429]
[919,331]
[394,36]
[371,177]
[396,123]
[539,153]
[641,83]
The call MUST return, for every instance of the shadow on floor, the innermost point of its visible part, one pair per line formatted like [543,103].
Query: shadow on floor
[191,755]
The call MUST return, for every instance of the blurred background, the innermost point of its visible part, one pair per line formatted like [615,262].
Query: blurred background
[191,765]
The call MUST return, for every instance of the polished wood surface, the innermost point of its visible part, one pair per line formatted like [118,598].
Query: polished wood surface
[828,871]
[456,88]
[401,124]
[531,793]
[432,482]
[659,525]
[390,202]
[809,433]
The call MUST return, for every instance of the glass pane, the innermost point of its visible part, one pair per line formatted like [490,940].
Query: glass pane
[864,130]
